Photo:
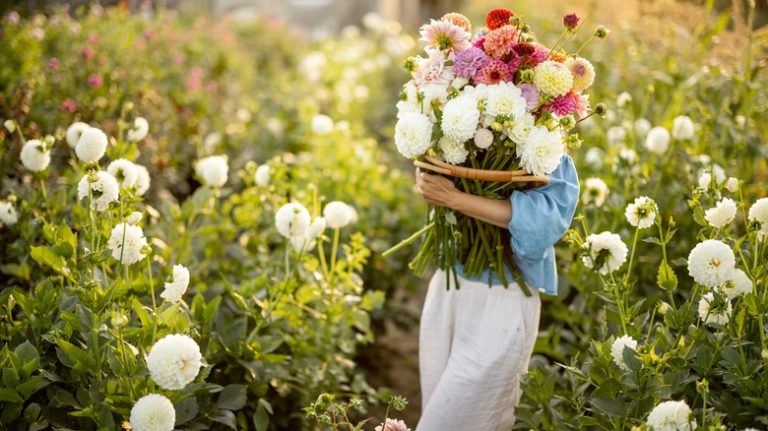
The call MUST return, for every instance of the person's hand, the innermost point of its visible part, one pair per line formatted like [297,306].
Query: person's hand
[436,189]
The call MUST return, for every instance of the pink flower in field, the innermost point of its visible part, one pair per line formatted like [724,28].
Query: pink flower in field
[93,38]
[13,17]
[393,425]
[179,59]
[150,35]
[87,53]
[95,80]
[69,105]
[54,63]
[195,80]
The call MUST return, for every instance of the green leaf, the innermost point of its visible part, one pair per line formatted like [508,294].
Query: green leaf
[225,417]
[233,397]
[81,360]
[666,278]
[9,395]
[261,418]
[46,256]
[26,352]
[32,385]
[186,411]
[611,407]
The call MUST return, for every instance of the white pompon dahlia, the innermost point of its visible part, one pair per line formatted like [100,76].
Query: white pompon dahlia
[124,172]
[642,212]
[483,138]
[322,124]
[623,99]
[453,152]
[8,215]
[139,130]
[175,288]
[671,416]
[642,127]
[732,184]
[73,133]
[758,212]
[174,361]
[413,134]
[213,170]
[505,99]
[392,425]
[92,145]
[35,156]
[541,151]
[606,252]
[127,243]
[292,219]
[262,175]
[100,187]
[521,128]
[317,226]
[722,214]
[595,192]
[739,284]
[337,214]
[715,309]
[552,78]
[142,179]
[617,349]
[657,140]
[153,412]
[460,118]
[134,218]
[711,263]
[683,128]
[616,135]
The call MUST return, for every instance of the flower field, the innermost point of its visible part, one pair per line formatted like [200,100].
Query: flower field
[193,214]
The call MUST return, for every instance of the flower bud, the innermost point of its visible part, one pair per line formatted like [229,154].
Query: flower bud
[568,122]
[601,109]
[526,75]
[602,31]
[663,308]
[410,64]
[571,21]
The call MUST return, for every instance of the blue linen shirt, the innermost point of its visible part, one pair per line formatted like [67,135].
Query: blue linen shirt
[540,218]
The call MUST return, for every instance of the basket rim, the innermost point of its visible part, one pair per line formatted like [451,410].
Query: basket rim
[441,167]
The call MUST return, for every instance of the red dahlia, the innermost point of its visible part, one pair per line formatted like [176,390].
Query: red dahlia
[498,18]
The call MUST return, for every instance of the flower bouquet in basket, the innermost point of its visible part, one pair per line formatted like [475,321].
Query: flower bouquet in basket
[493,110]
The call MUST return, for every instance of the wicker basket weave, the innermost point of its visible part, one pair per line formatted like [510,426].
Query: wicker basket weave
[516,176]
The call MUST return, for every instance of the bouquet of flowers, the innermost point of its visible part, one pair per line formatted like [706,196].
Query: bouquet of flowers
[494,110]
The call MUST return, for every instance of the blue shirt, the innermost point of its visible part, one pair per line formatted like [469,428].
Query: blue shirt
[540,218]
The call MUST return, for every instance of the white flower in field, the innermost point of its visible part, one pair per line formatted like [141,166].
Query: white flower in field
[732,184]
[705,179]
[124,172]
[595,192]
[642,212]
[483,138]
[302,243]
[739,284]
[671,416]
[8,215]
[711,263]
[142,179]
[715,310]
[460,118]
[616,135]
[337,214]
[139,130]
[213,170]
[127,243]
[628,155]
[552,78]
[175,289]
[134,218]
[262,175]
[153,412]
[683,128]
[541,151]
[292,219]
[73,133]
[657,140]
[605,250]
[594,157]
[100,187]
[617,349]
[642,127]
[174,361]
[317,226]
[91,145]
[722,214]
[413,134]
[505,99]
[453,152]
[623,99]
[275,126]
[34,155]
[322,124]
[758,212]
[392,425]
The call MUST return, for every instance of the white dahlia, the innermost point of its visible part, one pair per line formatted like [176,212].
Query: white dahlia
[521,128]
[623,99]
[506,99]
[92,145]
[8,215]
[262,175]
[583,73]
[607,250]
[124,172]
[552,78]
[317,226]
[127,243]
[35,156]
[322,124]
[722,214]
[758,212]
[738,284]
[413,134]
[142,179]
[483,138]
[616,135]
[711,263]
[541,151]
[671,416]
[460,118]
[153,412]
[732,184]
[642,127]
[642,212]
[657,140]
[683,128]
[337,214]
[292,219]
[595,192]
[595,157]
[134,218]
[617,349]
[73,133]
[175,288]
[715,309]
[139,130]
[453,152]
[100,187]
[213,170]
[174,361]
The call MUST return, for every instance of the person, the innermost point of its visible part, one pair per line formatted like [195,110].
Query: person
[475,342]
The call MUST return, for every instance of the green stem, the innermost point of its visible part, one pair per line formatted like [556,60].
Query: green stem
[399,246]
[152,294]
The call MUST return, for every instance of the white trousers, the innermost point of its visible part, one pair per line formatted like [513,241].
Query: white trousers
[474,347]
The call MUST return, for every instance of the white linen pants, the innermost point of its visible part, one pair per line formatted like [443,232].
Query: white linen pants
[474,347]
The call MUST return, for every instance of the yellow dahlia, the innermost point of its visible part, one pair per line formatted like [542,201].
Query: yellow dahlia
[552,78]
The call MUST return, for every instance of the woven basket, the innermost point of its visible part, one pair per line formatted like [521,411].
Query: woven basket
[516,176]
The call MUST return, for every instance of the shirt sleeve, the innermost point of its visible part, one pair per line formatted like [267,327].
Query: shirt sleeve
[541,216]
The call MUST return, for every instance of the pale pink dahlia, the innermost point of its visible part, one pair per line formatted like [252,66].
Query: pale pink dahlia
[445,35]
[493,72]
[393,425]
[498,43]
[432,70]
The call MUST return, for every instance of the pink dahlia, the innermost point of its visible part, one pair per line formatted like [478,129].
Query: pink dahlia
[432,70]
[528,54]
[445,35]
[468,62]
[493,72]
[393,425]
[566,104]
[54,63]
[498,43]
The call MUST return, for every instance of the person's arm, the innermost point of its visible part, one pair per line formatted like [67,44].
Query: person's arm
[438,190]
